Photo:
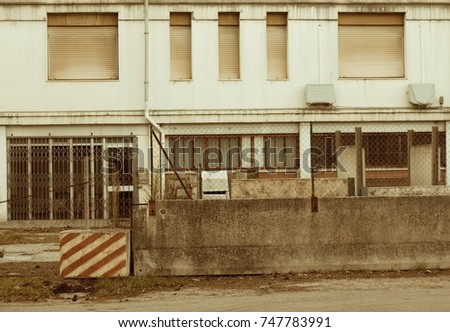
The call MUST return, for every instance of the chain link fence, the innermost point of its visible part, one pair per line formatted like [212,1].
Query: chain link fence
[68,178]
[298,160]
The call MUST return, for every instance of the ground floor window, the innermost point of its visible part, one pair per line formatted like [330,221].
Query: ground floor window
[205,152]
[58,178]
[386,154]
[281,151]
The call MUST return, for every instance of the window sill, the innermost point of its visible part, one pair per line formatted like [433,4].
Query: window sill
[82,81]
[372,78]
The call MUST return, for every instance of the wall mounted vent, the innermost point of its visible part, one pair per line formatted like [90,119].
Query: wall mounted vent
[320,94]
[421,94]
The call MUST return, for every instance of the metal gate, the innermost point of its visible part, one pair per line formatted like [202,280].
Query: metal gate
[67,178]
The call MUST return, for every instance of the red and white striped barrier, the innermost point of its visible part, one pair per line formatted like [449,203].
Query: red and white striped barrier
[94,253]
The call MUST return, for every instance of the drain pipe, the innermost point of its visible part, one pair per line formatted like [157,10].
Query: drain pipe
[153,124]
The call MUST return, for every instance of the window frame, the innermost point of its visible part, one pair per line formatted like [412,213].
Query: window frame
[180,40]
[229,46]
[88,31]
[276,28]
[190,153]
[371,63]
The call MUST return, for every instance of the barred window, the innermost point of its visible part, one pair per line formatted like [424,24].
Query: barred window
[281,152]
[205,152]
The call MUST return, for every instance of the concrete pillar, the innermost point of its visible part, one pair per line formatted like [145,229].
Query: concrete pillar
[410,144]
[3,175]
[259,151]
[305,150]
[447,147]
[246,161]
[435,169]
[142,158]
[359,161]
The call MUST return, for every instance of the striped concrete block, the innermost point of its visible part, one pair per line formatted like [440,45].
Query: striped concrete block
[94,253]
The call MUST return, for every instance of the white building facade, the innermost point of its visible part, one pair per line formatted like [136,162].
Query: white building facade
[83,82]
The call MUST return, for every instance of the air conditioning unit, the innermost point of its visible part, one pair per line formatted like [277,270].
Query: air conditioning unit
[421,94]
[215,185]
[320,94]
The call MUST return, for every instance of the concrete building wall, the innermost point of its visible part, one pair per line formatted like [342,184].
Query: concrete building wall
[3,175]
[282,235]
[24,81]
[312,58]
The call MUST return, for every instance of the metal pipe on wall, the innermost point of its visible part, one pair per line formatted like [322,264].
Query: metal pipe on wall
[152,122]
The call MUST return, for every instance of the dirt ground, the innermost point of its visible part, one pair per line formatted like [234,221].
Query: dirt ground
[33,282]
[40,281]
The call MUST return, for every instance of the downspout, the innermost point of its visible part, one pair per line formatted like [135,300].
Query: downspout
[319,54]
[421,55]
[153,124]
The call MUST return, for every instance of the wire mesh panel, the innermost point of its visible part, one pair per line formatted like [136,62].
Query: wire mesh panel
[300,160]
[56,178]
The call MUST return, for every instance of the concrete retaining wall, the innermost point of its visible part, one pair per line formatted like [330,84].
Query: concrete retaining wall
[282,235]
[288,188]
[409,191]
[267,187]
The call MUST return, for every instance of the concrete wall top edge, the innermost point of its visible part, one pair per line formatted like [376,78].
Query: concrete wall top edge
[151,2]
[168,203]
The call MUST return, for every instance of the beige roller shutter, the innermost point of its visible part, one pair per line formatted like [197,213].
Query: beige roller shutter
[371,46]
[180,46]
[229,65]
[82,46]
[276,46]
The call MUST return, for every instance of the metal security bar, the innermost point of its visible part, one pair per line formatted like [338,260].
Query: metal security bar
[67,178]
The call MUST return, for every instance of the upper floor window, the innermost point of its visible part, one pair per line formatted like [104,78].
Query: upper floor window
[276,26]
[229,46]
[371,45]
[83,46]
[180,46]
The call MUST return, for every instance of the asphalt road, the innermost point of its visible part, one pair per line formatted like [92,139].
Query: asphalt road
[424,294]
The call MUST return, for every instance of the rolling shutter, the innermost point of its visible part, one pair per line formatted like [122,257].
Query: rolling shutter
[371,45]
[180,46]
[276,46]
[83,46]
[229,66]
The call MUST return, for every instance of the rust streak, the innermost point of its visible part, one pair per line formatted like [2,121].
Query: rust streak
[91,254]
